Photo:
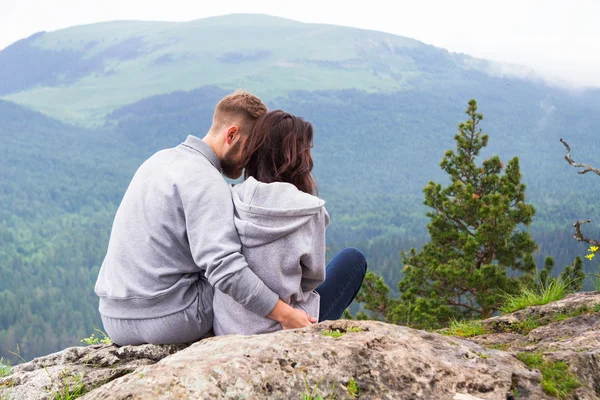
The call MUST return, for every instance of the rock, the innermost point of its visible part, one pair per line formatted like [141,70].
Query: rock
[79,369]
[387,362]
[546,313]
[567,330]
[461,396]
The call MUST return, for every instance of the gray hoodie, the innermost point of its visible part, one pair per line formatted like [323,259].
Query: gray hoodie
[282,231]
[174,226]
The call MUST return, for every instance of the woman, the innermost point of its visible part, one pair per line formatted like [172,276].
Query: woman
[282,224]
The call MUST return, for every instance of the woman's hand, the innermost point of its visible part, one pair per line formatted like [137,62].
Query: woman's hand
[289,317]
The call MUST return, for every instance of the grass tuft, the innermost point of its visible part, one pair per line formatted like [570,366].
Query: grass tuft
[354,329]
[555,290]
[5,368]
[72,387]
[353,388]
[516,393]
[332,333]
[530,323]
[556,378]
[465,329]
[93,340]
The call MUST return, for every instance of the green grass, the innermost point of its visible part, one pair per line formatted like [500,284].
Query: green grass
[465,329]
[516,393]
[71,387]
[5,368]
[528,324]
[354,329]
[93,340]
[332,333]
[556,290]
[556,378]
[336,333]
[353,388]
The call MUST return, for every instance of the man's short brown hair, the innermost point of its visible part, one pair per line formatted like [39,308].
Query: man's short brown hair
[239,105]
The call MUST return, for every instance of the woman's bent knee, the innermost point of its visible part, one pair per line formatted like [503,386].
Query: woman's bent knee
[356,258]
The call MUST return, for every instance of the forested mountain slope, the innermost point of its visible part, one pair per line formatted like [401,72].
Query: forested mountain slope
[59,189]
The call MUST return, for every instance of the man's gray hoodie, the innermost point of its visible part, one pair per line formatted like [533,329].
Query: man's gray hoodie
[175,226]
[282,231]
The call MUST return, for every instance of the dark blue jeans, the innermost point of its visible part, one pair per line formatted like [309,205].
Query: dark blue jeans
[345,274]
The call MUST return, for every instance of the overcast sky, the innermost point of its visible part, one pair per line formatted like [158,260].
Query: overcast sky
[557,38]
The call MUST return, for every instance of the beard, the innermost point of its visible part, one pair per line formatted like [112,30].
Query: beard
[231,164]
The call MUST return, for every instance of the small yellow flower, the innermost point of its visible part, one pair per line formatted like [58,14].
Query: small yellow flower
[593,249]
[590,256]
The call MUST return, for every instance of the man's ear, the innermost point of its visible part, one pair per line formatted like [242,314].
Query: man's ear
[232,133]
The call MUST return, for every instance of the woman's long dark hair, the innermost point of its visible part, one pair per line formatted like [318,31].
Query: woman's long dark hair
[278,150]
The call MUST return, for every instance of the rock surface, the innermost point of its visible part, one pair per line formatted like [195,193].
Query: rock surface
[567,330]
[386,361]
[78,367]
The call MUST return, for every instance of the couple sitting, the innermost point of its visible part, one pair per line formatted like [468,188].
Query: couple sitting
[189,254]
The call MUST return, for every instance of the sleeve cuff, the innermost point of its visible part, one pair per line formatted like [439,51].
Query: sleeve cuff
[264,302]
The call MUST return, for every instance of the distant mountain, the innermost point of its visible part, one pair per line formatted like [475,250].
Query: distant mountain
[82,73]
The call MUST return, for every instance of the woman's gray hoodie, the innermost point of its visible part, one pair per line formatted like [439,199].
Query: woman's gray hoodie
[282,231]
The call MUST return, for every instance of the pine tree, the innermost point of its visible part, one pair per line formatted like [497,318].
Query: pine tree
[478,250]
[572,275]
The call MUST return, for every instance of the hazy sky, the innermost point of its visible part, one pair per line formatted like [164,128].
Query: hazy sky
[557,38]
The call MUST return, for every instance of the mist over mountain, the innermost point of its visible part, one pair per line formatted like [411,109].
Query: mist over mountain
[84,106]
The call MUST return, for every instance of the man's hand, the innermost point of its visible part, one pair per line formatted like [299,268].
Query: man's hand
[289,317]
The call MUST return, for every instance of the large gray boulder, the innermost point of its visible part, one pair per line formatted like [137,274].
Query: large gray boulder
[385,361]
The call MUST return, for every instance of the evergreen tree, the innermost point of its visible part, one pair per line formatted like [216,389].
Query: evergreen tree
[478,249]
[572,275]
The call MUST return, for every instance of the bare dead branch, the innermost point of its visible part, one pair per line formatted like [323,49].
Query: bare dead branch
[577,225]
[579,235]
[573,163]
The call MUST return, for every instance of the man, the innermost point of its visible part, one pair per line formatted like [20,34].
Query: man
[173,239]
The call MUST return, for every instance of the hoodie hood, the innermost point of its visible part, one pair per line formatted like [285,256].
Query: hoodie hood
[265,212]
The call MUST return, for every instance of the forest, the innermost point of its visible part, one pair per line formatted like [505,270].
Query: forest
[374,154]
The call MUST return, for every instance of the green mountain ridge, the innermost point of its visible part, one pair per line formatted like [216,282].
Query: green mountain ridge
[82,73]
